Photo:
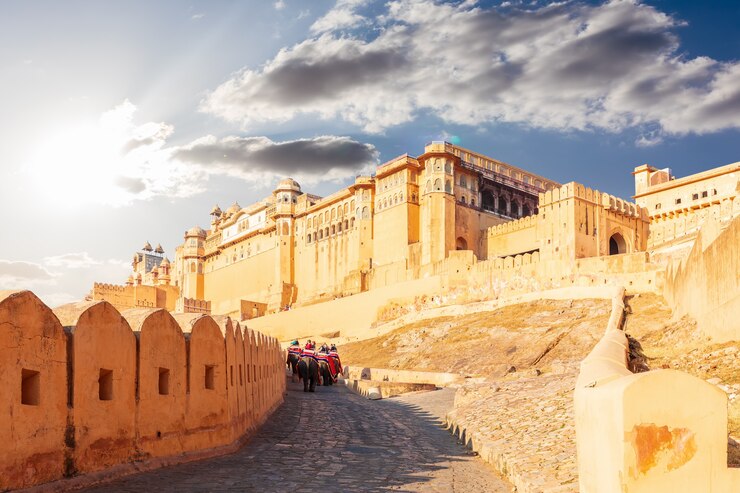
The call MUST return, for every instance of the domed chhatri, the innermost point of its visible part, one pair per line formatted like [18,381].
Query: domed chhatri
[288,184]
[235,207]
[147,247]
[159,249]
[216,211]
[196,231]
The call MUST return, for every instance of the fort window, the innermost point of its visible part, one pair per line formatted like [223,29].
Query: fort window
[488,201]
[333,229]
[678,201]
[321,234]
[461,244]
[714,191]
[339,227]
[658,206]
[472,202]
[352,223]
[326,231]
[241,375]
[704,194]
[527,212]
[462,199]
[164,381]
[231,374]
[448,168]
[437,185]
[30,387]
[463,182]
[209,377]
[617,245]
[105,385]
[695,196]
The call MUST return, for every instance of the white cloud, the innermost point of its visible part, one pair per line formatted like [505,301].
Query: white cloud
[342,16]
[24,275]
[196,17]
[279,4]
[560,66]
[81,260]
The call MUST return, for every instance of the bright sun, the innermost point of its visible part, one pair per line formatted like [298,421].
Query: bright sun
[107,162]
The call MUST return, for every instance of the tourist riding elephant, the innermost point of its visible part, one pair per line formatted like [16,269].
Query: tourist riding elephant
[308,369]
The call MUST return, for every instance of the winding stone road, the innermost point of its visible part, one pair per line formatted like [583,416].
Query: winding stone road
[334,440]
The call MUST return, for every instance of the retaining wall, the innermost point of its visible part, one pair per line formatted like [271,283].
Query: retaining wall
[660,431]
[87,396]
[706,284]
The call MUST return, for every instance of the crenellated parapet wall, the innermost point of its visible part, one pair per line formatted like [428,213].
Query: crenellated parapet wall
[90,391]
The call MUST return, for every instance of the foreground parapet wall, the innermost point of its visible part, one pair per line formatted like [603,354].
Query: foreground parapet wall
[92,393]
[661,431]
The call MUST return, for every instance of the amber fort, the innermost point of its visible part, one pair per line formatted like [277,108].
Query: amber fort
[185,359]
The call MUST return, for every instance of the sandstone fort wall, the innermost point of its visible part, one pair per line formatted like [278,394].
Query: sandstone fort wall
[706,284]
[647,432]
[106,391]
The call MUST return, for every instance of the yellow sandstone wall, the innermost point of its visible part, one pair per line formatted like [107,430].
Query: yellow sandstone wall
[706,285]
[660,431]
[61,414]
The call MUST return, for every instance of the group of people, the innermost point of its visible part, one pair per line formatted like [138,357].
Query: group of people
[326,354]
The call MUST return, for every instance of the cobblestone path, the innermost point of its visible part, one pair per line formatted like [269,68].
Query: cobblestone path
[334,440]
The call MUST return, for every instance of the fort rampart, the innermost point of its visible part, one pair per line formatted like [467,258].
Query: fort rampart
[706,284]
[93,393]
[647,432]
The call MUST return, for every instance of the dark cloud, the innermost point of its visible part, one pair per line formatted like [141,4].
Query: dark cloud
[260,155]
[301,81]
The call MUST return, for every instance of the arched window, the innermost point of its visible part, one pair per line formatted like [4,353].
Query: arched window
[385,204]
[333,229]
[461,244]
[192,267]
[285,232]
[448,186]
[346,224]
[463,181]
[339,227]
[448,168]
[502,205]
[438,185]
[526,211]
[200,266]
[321,234]
[437,164]
[346,208]
[428,187]
[472,201]
[413,197]
[352,205]
[400,197]
[334,213]
[352,223]
[514,208]
[462,199]
[365,213]
[326,232]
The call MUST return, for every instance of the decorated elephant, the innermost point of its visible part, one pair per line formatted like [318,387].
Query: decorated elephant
[308,369]
[325,369]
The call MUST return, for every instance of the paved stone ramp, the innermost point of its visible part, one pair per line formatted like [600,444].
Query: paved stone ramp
[334,440]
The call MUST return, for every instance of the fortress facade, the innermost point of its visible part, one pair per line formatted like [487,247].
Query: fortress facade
[295,249]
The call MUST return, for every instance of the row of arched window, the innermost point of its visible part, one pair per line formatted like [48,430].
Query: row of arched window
[396,198]
[332,230]
[437,187]
[329,214]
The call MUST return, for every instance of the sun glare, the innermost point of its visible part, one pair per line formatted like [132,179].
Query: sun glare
[106,162]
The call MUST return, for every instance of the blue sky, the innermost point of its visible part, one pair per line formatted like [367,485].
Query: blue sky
[124,122]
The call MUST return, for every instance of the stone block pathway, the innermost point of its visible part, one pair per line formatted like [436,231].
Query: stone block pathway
[334,440]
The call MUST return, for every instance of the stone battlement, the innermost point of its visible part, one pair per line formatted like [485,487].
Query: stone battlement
[88,388]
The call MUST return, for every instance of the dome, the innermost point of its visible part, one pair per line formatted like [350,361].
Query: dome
[196,231]
[216,211]
[165,262]
[159,248]
[147,247]
[288,184]
[235,207]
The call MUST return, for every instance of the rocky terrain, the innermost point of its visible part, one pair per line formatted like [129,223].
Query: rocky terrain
[528,356]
